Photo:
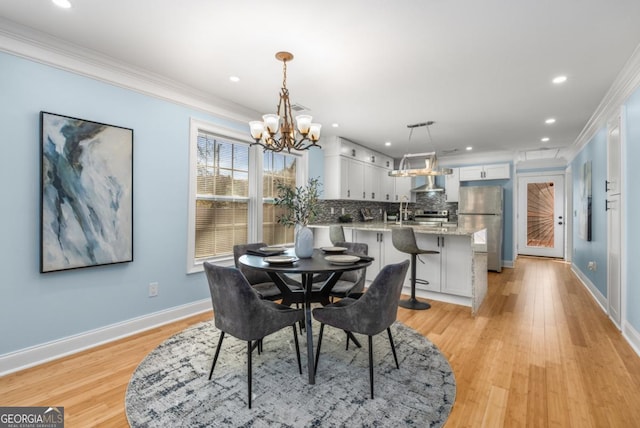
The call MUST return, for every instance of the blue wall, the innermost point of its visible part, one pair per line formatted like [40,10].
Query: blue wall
[631,227]
[596,249]
[36,308]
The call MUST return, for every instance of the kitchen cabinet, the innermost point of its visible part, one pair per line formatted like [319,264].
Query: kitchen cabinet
[449,271]
[356,173]
[388,186]
[496,171]
[403,186]
[375,240]
[452,186]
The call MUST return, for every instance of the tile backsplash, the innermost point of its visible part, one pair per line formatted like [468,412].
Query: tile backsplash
[424,201]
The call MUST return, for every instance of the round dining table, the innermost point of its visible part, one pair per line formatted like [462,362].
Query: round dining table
[307,294]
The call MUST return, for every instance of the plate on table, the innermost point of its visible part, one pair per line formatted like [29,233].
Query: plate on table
[334,249]
[280,260]
[273,250]
[342,259]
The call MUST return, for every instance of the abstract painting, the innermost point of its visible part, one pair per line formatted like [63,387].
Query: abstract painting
[86,205]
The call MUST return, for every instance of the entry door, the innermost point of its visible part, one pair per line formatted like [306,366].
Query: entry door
[541,216]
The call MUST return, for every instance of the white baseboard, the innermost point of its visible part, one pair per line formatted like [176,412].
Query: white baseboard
[632,336]
[508,264]
[32,356]
[597,295]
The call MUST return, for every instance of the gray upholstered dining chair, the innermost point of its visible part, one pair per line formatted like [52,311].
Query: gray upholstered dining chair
[351,282]
[260,281]
[371,314]
[239,311]
[336,234]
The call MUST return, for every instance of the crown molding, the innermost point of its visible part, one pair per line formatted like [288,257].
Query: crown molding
[625,84]
[45,49]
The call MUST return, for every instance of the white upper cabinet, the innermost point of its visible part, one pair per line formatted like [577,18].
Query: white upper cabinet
[355,172]
[452,185]
[403,186]
[498,171]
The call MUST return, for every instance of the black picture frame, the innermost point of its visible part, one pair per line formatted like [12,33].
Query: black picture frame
[86,193]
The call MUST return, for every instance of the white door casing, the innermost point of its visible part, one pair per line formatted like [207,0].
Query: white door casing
[554,227]
[614,219]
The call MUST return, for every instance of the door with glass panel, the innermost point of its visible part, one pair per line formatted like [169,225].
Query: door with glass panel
[541,216]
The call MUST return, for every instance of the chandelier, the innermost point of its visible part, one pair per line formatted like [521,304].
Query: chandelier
[266,132]
[429,158]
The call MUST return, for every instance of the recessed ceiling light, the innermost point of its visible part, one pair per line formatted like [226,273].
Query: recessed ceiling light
[559,79]
[65,4]
[550,121]
[335,125]
[544,139]
[387,143]
[234,79]
[469,148]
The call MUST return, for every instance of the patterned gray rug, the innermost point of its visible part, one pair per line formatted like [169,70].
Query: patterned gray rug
[170,386]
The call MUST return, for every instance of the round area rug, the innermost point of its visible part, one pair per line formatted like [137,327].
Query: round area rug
[170,386]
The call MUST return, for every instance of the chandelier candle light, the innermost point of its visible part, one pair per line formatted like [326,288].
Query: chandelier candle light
[265,132]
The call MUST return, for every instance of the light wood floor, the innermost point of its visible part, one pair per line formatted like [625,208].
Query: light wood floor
[539,353]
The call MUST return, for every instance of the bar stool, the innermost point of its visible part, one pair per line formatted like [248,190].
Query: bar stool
[404,240]
[336,234]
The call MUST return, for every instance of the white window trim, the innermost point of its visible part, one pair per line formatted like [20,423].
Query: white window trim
[255,188]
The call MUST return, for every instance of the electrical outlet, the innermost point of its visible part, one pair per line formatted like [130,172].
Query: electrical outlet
[343,211]
[153,289]
[592,266]
[331,210]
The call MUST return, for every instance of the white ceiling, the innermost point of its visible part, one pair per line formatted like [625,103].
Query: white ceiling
[481,70]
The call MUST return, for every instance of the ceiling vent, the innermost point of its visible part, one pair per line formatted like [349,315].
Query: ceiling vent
[298,107]
[541,154]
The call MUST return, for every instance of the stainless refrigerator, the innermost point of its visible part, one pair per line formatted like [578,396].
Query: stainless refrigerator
[481,207]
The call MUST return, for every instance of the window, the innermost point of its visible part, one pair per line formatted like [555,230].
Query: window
[276,167]
[232,187]
[222,196]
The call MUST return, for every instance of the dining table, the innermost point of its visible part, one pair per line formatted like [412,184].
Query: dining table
[284,268]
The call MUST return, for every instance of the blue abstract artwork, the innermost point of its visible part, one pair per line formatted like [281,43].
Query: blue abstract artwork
[86,193]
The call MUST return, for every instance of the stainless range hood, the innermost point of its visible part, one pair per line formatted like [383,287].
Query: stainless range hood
[429,186]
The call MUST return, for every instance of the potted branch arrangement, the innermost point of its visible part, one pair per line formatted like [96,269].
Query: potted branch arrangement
[302,204]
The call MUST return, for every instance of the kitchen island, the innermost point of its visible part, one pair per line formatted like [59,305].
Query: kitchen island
[457,274]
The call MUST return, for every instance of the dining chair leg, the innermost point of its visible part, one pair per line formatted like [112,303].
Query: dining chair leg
[215,358]
[393,348]
[371,365]
[295,339]
[319,344]
[249,348]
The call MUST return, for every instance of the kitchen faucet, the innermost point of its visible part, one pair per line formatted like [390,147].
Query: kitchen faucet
[402,214]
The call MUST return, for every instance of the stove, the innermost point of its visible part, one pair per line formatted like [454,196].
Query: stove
[433,218]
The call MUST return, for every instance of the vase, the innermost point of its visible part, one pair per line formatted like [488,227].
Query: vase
[303,242]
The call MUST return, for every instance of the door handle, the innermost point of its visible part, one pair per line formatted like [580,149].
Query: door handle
[606,205]
[606,185]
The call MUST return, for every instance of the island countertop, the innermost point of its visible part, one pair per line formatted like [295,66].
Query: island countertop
[379,226]
[457,274]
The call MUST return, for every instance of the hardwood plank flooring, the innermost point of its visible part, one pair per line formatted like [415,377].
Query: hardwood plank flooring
[540,353]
